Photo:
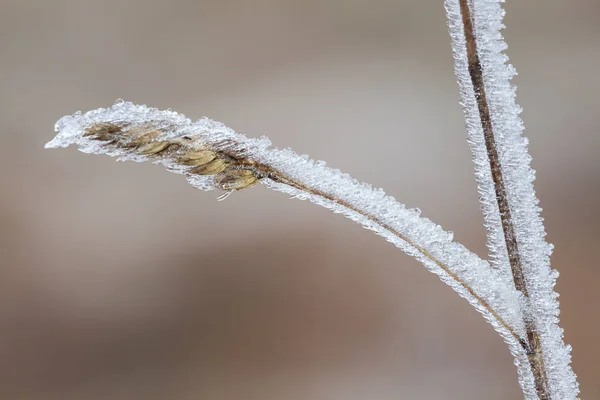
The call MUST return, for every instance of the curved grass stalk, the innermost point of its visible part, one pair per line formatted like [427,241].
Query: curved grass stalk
[213,156]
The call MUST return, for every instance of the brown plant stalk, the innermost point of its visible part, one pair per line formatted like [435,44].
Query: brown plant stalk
[533,345]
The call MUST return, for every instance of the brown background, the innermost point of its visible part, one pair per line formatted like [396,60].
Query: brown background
[119,281]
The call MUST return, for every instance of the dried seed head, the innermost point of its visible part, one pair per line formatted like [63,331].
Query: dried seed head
[224,159]
[211,168]
[236,179]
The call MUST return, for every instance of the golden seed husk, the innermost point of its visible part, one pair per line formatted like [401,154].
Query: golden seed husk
[153,148]
[236,179]
[196,158]
[213,167]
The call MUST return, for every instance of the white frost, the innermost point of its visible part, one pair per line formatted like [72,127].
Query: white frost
[535,252]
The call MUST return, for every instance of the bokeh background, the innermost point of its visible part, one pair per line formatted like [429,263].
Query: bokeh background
[120,281]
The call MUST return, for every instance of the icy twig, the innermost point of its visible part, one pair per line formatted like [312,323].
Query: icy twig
[505,181]
[213,156]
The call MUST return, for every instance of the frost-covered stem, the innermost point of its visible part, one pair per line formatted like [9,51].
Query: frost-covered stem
[212,156]
[278,176]
[534,348]
[515,229]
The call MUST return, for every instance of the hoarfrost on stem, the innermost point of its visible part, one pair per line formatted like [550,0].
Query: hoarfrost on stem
[540,308]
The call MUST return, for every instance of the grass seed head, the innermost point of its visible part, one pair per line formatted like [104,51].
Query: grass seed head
[232,170]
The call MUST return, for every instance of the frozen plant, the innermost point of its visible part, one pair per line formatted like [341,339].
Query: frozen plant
[514,291]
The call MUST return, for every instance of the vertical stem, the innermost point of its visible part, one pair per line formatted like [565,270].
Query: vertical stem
[534,350]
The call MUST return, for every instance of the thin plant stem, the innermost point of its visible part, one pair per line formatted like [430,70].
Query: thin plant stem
[280,177]
[533,347]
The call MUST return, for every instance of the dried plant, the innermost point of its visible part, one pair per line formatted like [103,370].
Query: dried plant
[514,291]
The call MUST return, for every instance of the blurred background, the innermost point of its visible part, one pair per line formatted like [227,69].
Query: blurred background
[120,281]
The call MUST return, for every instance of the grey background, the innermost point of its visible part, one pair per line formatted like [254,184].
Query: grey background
[120,281]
